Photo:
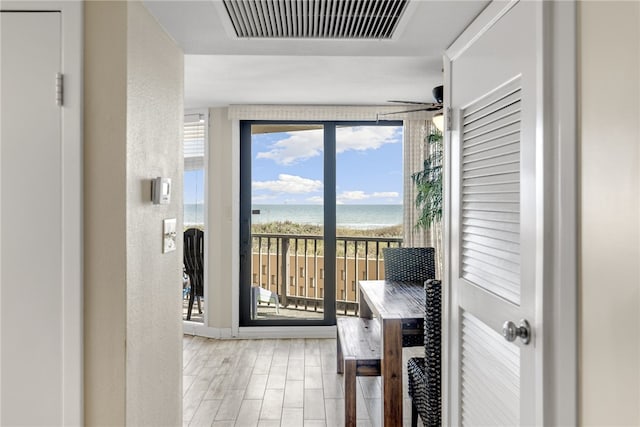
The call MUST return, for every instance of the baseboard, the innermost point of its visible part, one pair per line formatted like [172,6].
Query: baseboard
[287,332]
[200,330]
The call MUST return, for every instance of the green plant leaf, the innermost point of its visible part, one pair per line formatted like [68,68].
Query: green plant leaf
[428,183]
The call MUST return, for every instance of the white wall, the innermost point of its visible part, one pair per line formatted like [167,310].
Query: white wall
[222,227]
[154,280]
[609,67]
[133,121]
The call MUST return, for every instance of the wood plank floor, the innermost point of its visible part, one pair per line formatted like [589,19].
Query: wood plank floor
[273,382]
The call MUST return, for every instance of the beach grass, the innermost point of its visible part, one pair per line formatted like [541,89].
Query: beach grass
[317,248]
[288,227]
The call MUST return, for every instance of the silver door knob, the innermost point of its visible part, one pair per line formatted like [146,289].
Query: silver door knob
[510,331]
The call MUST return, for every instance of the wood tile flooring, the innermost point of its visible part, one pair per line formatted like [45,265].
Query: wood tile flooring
[273,382]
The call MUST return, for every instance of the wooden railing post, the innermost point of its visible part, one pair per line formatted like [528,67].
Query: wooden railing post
[285,269]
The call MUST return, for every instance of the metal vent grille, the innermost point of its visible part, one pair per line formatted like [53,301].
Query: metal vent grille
[315,19]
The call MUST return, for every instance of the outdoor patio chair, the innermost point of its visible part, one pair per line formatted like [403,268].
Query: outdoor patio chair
[424,372]
[410,265]
[259,294]
[194,266]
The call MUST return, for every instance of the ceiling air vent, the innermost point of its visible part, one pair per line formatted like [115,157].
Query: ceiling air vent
[315,19]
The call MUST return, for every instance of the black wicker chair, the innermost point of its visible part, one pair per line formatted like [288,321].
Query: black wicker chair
[410,265]
[424,372]
[194,266]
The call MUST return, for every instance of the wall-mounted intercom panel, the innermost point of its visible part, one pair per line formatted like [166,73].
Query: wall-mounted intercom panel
[161,191]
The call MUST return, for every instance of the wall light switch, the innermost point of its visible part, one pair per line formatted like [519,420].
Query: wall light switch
[169,235]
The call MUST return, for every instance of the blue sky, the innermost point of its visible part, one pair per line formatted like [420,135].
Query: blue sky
[193,186]
[287,167]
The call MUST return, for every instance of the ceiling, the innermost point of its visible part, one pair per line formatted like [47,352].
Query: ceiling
[221,69]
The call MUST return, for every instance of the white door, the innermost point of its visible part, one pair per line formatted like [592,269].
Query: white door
[31,264]
[495,246]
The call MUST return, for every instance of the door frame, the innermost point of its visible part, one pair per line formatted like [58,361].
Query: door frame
[329,194]
[71,247]
[557,196]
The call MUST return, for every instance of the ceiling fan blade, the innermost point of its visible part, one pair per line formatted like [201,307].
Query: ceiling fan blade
[436,107]
[410,102]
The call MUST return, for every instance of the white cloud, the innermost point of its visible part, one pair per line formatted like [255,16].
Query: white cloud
[291,184]
[353,195]
[298,146]
[365,138]
[381,195]
[358,195]
[303,145]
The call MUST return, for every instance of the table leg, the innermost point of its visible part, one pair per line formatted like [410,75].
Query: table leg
[364,310]
[391,372]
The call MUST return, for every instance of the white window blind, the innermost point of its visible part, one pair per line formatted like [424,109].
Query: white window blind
[194,138]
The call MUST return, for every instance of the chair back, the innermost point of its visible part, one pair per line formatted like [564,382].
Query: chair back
[409,264]
[194,258]
[432,351]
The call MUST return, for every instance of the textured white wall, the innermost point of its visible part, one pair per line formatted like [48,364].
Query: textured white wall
[610,212]
[154,280]
[133,125]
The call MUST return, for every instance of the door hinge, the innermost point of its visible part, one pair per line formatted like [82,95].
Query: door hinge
[59,89]
[449,124]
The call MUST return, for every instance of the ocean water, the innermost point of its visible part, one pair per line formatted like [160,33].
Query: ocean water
[193,214]
[347,216]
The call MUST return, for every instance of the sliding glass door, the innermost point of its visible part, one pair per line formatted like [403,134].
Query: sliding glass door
[194,290]
[288,220]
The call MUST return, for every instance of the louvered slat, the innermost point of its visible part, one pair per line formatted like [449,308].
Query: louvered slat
[491,260]
[490,242]
[492,207]
[495,142]
[495,103]
[505,123]
[492,224]
[498,132]
[491,196]
[497,234]
[342,19]
[492,180]
[490,379]
[490,199]
[497,253]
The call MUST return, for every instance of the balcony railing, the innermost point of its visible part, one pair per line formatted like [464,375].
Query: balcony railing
[293,267]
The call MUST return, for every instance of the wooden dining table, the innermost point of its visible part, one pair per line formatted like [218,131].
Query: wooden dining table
[400,307]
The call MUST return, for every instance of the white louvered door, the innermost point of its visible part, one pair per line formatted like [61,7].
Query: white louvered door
[494,217]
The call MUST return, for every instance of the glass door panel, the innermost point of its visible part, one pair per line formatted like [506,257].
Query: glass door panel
[369,197]
[287,222]
[194,203]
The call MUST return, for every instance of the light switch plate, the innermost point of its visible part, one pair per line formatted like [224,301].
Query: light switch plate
[169,235]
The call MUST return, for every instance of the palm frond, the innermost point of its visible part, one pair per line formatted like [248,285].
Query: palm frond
[428,183]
